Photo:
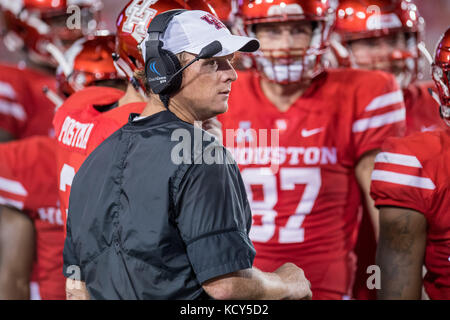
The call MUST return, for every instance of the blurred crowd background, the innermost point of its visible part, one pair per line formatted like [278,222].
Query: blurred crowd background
[435,12]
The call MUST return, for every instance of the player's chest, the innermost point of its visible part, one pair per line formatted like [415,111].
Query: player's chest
[294,138]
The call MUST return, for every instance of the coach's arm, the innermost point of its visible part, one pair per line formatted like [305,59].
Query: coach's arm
[287,282]
[400,253]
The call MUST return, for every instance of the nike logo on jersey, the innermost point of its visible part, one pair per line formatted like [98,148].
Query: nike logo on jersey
[428,128]
[309,133]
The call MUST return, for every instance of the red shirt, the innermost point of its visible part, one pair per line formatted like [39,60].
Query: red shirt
[422,114]
[413,173]
[303,210]
[24,109]
[80,128]
[28,183]
[422,111]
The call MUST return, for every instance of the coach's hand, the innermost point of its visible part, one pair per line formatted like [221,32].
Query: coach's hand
[295,280]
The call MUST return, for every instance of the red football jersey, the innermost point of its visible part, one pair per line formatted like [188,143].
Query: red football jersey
[301,192]
[413,173]
[80,127]
[24,109]
[28,182]
[422,111]
[421,115]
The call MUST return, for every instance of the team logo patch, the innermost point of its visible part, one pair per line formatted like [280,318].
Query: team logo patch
[210,19]
[281,124]
[137,18]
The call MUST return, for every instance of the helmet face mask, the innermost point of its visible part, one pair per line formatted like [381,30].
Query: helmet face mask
[292,60]
[366,20]
[440,72]
[395,53]
[89,62]
[282,57]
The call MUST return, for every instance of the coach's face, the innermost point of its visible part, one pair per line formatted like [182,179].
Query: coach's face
[206,86]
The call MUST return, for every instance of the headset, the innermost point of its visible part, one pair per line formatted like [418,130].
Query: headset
[162,68]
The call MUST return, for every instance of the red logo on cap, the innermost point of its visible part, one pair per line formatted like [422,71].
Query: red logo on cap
[213,21]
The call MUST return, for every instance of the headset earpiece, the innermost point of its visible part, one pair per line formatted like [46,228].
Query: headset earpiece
[173,64]
[160,64]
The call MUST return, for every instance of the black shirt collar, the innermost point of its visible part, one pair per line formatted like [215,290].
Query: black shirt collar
[154,119]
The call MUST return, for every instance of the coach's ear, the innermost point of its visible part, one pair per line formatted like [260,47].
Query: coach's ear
[76,290]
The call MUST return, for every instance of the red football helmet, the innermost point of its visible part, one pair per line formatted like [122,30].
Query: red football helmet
[441,75]
[38,24]
[132,25]
[294,64]
[87,62]
[225,10]
[363,19]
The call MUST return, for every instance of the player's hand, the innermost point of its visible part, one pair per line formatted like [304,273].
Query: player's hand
[297,285]
[214,127]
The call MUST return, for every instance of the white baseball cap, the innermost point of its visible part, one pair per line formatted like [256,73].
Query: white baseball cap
[192,30]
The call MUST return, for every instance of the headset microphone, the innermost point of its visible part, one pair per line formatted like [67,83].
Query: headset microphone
[207,52]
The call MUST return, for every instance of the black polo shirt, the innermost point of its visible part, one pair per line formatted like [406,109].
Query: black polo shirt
[142,225]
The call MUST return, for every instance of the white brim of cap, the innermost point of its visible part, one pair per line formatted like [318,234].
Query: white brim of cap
[230,44]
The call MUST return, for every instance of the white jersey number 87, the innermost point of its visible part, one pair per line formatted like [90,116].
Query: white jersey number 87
[289,177]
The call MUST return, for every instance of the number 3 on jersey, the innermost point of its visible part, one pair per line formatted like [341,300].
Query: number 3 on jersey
[65,178]
[289,177]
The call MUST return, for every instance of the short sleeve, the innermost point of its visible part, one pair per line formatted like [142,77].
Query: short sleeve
[214,219]
[380,112]
[28,173]
[13,193]
[13,115]
[399,179]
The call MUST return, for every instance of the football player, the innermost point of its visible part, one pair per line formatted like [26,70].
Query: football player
[28,186]
[386,35]
[32,188]
[410,186]
[39,27]
[330,124]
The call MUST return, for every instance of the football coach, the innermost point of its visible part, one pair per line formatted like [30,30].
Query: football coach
[151,216]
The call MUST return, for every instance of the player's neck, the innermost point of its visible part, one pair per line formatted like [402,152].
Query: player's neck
[130,96]
[283,96]
[153,106]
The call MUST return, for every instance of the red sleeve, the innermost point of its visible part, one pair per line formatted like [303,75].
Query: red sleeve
[28,178]
[13,100]
[380,112]
[399,178]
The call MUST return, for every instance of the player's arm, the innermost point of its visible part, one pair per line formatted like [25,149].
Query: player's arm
[363,172]
[76,290]
[17,243]
[287,282]
[400,252]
